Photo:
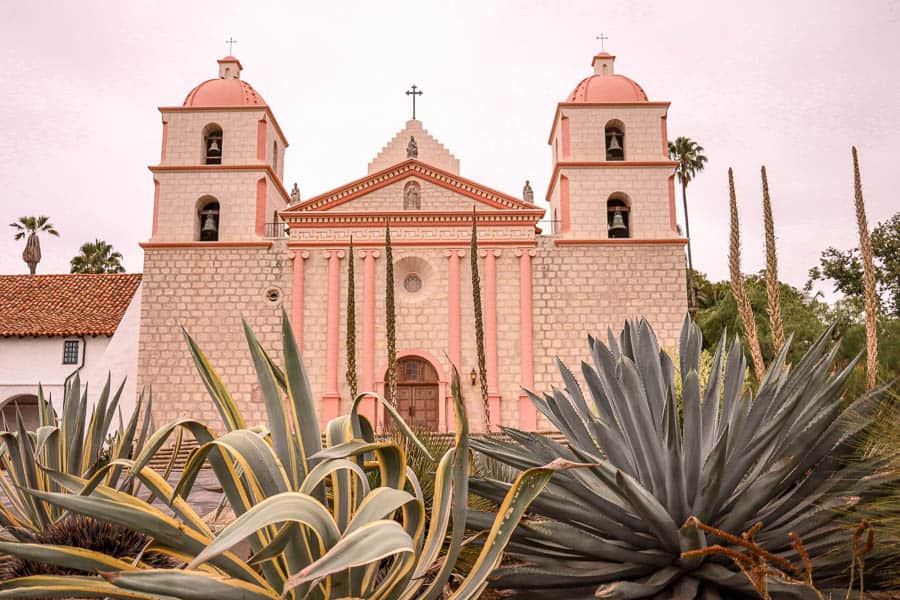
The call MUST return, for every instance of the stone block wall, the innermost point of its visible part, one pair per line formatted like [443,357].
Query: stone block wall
[582,290]
[184,135]
[207,291]
[644,139]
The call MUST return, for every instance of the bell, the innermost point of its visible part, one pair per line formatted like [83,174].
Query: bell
[614,143]
[618,223]
[209,224]
[214,146]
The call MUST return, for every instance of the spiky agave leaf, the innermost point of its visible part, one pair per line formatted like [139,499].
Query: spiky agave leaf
[316,527]
[735,458]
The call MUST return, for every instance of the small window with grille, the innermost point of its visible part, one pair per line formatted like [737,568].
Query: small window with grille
[70,352]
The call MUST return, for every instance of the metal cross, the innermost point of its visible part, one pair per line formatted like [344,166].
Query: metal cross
[414,92]
[231,42]
[602,39]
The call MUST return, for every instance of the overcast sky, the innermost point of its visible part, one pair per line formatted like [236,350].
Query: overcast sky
[787,84]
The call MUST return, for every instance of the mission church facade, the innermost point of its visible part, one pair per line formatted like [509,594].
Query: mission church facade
[230,241]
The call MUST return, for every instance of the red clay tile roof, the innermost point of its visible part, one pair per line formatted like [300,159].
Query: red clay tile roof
[58,305]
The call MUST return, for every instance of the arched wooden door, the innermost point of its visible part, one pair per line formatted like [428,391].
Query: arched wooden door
[417,393]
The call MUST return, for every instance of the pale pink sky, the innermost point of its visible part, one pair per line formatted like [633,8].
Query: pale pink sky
[787,84]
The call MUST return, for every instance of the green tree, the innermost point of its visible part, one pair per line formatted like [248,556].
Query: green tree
[30,227]
[390,317]
[845,270]
[97,257]
[351,323]
[691,161]
[805,317]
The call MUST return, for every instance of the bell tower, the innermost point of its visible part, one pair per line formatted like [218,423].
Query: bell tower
[612,177]
[221,164]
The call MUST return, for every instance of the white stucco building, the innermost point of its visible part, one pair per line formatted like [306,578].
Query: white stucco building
[52,326]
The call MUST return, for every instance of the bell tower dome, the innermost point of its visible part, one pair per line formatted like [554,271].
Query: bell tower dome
[221,165]
[612,177]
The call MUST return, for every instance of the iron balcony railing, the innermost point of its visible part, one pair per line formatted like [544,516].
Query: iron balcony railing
[276,231]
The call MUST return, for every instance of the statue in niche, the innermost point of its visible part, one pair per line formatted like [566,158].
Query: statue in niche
[295,194]
[412,148]
[411,196]
[528,193]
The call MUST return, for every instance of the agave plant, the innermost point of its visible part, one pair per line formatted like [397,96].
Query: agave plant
[619,529]
[69,443]
[316,526]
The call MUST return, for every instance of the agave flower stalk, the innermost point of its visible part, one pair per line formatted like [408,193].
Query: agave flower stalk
[773,287]
[870,293]
[745,310]
[346,520]
[619,529]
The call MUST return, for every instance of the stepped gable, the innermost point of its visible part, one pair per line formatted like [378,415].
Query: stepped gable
[430,150]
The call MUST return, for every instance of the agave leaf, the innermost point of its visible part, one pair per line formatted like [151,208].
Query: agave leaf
[371,542]
[66,556]
[287,506]
[326,468]
[640,589]
[300,397]
[526,488]
[189,585]
[648,507]
[69,586]
[222,399]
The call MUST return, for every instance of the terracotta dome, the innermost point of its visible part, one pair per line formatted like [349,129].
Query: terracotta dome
[607,88]
[227,90]
[224,92]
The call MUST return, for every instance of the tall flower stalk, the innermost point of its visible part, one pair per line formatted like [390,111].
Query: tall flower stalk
[479,324]
[737,284]
[773,289]
[390,317]
[352,381]
[869,292]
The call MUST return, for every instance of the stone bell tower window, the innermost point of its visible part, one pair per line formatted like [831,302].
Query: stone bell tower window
[208,217]
[615,140]
[212,144]
[411,196]
[618,223]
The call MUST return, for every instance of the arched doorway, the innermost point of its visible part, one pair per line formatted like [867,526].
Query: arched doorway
[28,407]
[418,393]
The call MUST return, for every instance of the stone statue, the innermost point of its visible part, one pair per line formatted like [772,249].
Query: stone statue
[295,194]
[411,196]
[528,193]
[412,148]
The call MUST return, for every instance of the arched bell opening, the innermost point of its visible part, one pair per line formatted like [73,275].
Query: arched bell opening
[618,216]
[212,144]
[615,140]
[208,220]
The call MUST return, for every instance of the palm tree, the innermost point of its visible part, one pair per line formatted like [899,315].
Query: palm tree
[691,161]
[31,227]
[97,257]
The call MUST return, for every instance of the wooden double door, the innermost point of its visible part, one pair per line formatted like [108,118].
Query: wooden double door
[417,393]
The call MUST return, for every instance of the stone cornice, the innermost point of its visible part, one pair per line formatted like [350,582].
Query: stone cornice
[411,218]
[621,242]
[406,169]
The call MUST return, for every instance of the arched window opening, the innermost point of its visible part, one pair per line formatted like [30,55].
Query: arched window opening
[615,140]
[618,223]
[212,144]
[411,200]
[27,406]
[209,221]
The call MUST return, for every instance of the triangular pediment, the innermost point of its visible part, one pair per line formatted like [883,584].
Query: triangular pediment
[384,191]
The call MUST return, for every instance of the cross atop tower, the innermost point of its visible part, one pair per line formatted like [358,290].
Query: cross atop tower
[231,42]
[414,92]
[602,39]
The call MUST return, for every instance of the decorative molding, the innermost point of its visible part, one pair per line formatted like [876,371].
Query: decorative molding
[309,220]
[398,243]
[621,242]
[213,168]
[406,169]
[606,164]
[302,254]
